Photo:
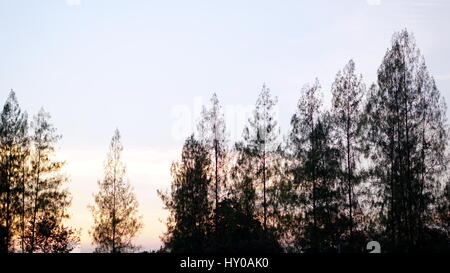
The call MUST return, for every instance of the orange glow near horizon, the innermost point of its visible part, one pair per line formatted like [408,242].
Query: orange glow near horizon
[147,172]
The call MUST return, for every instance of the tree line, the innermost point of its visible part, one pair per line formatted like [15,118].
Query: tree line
[34,198]
[373,167]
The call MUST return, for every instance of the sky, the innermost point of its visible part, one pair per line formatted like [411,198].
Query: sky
[146,67]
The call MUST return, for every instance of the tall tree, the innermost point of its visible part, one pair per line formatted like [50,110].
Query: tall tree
[348,90]
[116,219]
[315,174]
[293,189]
[13,143]
[47,200]
[212,134]
[187,201]
[406,119]
[320,170]
[259,151]
[303,124]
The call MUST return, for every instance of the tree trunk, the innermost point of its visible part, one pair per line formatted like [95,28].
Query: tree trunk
[349,176]
[216,155]
[264,190]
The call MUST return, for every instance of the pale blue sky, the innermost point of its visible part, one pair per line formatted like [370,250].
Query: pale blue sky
[102,64]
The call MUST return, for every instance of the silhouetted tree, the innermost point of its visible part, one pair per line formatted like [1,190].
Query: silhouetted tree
[348,91]
[116,219]
[47,201]
[408,137]
[13,147]
[187,202]
[303,123]
[212,134]
[257,157]
[33,202]
[315,175]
